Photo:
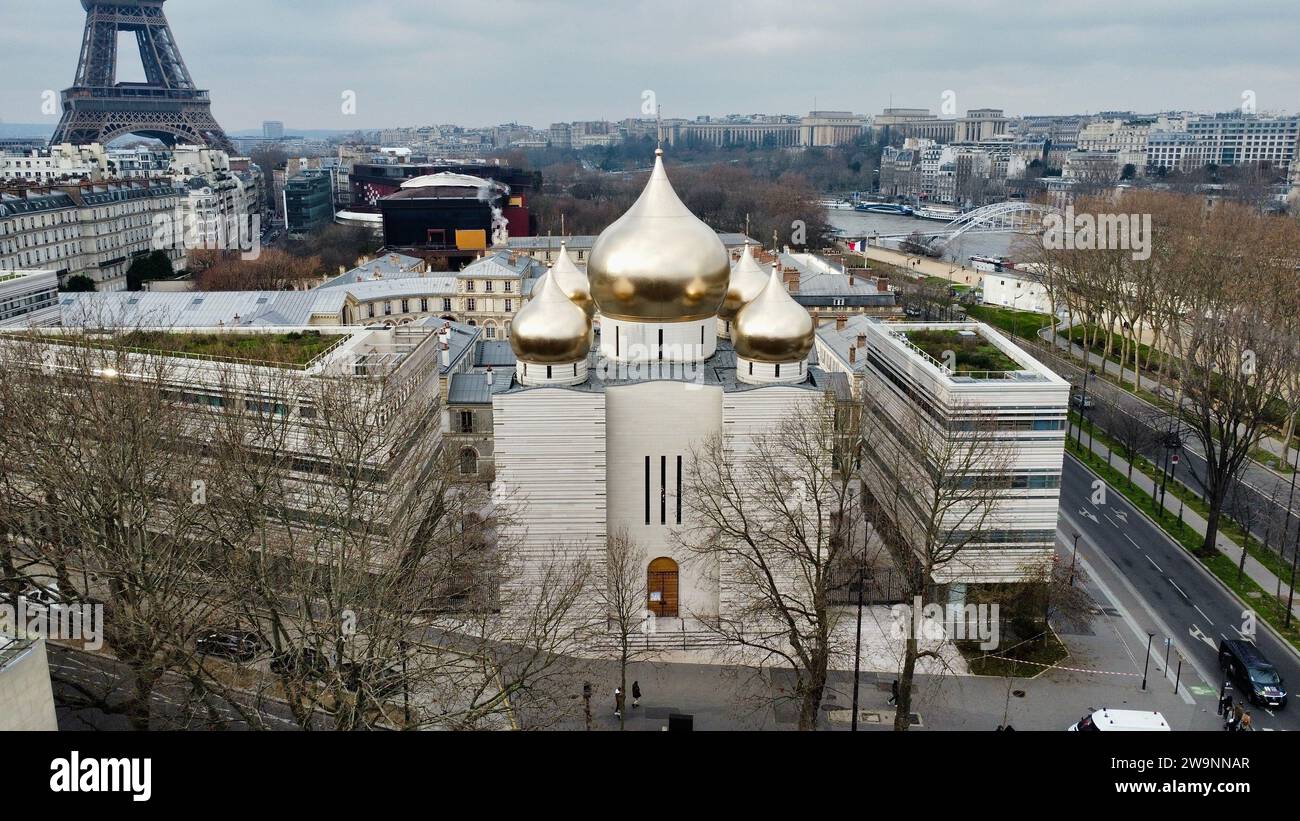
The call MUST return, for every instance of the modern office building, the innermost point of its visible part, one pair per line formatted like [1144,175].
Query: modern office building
[982,383]
[308,202]
[29,298]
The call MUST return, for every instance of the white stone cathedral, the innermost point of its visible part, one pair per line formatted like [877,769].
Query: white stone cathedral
[594,433]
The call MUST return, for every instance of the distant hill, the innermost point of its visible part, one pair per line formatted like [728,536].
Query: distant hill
[23,130]
[309,133]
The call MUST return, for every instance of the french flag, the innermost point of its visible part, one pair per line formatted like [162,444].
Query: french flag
[858,245]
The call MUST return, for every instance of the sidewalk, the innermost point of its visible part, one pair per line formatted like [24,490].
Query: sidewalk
[1260,574]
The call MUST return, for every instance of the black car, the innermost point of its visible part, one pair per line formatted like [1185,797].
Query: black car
[306,663]
[1251,672]
[237,645]
[380,678]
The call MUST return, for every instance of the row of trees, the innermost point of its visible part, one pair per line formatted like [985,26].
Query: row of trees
[727,197]
[1205,303]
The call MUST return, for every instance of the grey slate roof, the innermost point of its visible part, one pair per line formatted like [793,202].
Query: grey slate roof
[816,284]
[197,309]
[389,266]
[495,353]
[471,387]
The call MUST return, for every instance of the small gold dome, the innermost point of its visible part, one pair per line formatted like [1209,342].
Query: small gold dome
[658,262]
[573,281]
[773,327]
[550,328]
[748,279]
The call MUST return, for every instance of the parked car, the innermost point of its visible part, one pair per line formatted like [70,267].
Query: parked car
[1242,661]
[37,597]
[1083,401]
[381,679]
[234,644]
[306,663]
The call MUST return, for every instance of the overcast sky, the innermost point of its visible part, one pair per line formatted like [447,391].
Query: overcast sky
[482,62]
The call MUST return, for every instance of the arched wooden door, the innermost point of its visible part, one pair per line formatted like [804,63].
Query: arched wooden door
[661,588]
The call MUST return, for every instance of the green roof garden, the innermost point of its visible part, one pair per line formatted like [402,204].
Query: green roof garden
[976,357]
[296,348]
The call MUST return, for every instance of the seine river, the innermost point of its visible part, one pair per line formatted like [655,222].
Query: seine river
[858,223]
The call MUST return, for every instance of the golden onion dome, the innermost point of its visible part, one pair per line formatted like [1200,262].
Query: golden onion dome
[550,328]
[748,279]
[658,262]
[773,327]
[573,281]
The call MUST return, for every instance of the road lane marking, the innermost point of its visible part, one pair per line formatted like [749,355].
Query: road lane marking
[1202,612]
[1127,618]
[1179,589]
[1197,634]
[1135,544]
[1153,564]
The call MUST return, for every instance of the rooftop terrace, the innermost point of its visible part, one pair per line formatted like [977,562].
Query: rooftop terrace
[295,349]
[971,354]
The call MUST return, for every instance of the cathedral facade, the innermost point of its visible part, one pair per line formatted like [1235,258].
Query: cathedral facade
[621,373]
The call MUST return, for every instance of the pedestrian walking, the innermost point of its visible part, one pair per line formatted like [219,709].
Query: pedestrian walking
[1246,722]
[1225,704]
[636,694]
[618,702]
[1234,718]
[893,692]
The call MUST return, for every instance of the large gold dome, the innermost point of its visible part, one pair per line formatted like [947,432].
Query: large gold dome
[573,281]
[773,327]
[550,328]
[658,262]
[748,279]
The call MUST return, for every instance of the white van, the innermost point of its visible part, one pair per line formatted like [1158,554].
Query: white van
[1117,720]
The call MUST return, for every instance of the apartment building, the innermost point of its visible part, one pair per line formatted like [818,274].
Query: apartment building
[90,229]
[1236,139]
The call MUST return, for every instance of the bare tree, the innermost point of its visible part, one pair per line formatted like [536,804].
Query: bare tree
[624,597]
[317,512]
[932,490]
[1133,433]
[102,502]
[778,512]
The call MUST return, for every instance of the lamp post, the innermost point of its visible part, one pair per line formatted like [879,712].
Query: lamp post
[1074,559]
[857,650]
[1147,665]
[1173,441]
[1083,410]
[860,580]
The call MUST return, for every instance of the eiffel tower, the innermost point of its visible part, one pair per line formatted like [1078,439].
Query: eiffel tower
[166,106]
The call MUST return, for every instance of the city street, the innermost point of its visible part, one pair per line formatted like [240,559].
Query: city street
[1261,489]
[1162,590]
